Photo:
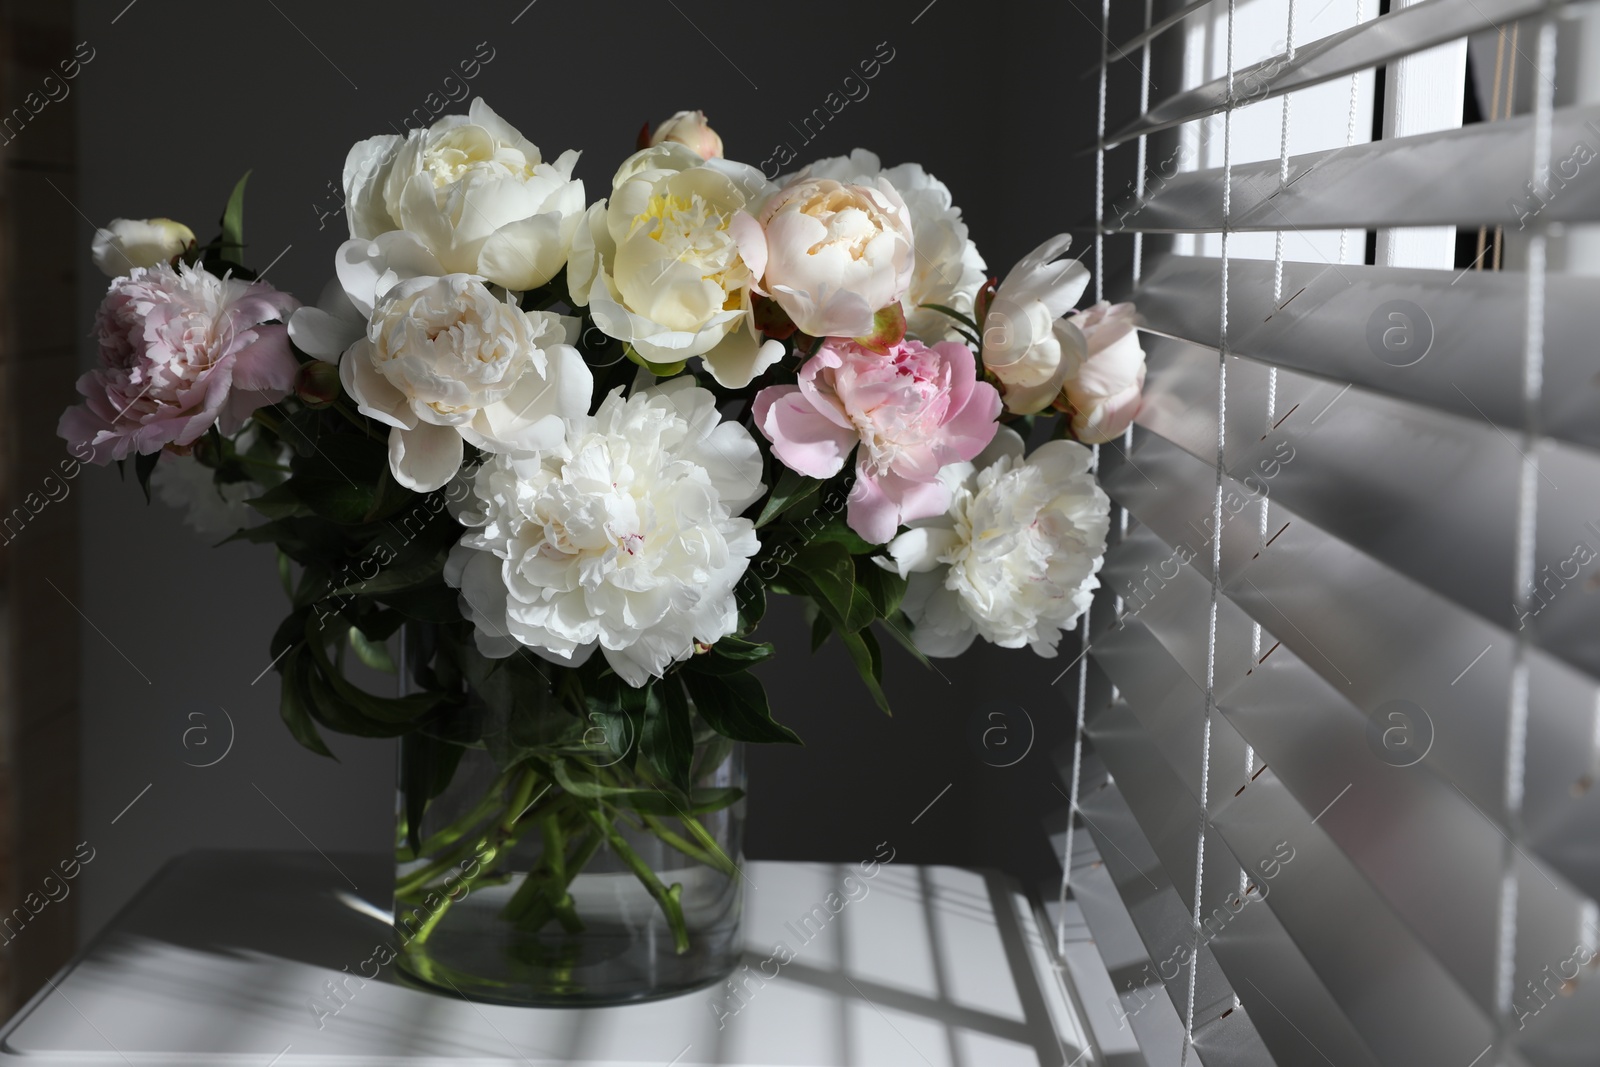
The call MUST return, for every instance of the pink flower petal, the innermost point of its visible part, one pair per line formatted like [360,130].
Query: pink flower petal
[805,440]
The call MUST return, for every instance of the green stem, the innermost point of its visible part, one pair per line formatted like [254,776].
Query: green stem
[716,861]
[701,834]
[419,878]
[268,464]
[669,898]
[271,422]
[448,835]
[497,839]
[356,420]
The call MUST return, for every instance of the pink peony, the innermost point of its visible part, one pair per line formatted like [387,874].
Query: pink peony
[912,411]
[180,350]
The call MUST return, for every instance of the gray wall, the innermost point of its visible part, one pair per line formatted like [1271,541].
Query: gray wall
[183,97]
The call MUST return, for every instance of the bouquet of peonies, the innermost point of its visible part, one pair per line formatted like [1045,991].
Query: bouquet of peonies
[571,448]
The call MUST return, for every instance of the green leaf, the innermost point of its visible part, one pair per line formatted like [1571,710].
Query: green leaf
[373,653]
[735,705]
[668,741]
[383,710]
[426,767]
[791,489]
[729,656]
[232,249]
[294,708]
[821,627]
[428,603]
[394,576]
[286,573]
[751,596]
[826,571]
[882,590]
[965,320]
[900,629]
[838,530]
[868,658]
[279,502]
[339,480]
[616,713]
[143,465]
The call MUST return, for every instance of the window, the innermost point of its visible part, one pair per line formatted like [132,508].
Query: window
[1334,783]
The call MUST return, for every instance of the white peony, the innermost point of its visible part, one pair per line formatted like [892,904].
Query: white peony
[626,537]
[478,194]
[666,264]
[837,253]
[130,243]
[948,268]
[1014,559]
[445,361]
[185,484]
[214,511]
[1027,345]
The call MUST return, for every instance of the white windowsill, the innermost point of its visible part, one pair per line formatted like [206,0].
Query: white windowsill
[218,960]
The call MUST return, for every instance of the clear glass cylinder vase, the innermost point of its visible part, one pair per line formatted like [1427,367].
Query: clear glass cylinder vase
[570,875]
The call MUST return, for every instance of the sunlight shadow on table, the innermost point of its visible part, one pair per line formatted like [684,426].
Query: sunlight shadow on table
[226,956]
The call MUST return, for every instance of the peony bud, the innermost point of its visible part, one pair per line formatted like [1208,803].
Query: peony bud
[317,384]
[690,128]
[130,243]
[1102,394]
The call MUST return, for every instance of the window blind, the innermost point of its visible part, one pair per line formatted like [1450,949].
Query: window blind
[1332,793]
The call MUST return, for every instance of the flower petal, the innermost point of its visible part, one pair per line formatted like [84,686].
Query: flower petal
[740,358]
[806,441]
[375,397]
[526,254]
[425,458]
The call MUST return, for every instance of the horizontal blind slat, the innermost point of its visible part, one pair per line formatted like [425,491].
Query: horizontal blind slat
[1398,483]
[1372,633]
[1338,323]
[1389,183]
[1358,48]
[1434,847]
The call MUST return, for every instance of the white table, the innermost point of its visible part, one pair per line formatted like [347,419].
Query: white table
[218,960]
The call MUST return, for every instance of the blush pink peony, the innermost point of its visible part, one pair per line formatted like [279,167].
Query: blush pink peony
[180,350]
[911,411]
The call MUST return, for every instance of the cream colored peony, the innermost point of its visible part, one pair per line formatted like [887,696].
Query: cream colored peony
[479,195]
[446,361]
[1014,558]
[130,243]
[948,269]
[666,265]
[625,538]
[836,253]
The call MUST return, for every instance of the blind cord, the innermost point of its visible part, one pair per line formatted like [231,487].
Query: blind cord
[1527,528]
[1216,549]
[1272,396]
[1094,465]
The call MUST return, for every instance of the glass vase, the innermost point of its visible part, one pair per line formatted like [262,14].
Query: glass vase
[566,873]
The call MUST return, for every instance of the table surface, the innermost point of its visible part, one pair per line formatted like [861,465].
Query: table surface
[222,957]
